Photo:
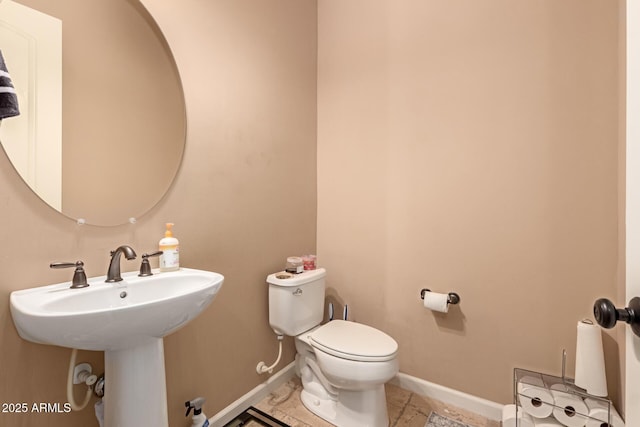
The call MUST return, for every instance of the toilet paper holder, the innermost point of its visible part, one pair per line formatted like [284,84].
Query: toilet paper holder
[452,297]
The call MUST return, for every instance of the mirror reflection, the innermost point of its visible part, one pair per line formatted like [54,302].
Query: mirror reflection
[102,126]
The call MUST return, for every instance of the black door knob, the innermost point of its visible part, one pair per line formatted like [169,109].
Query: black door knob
[607,314]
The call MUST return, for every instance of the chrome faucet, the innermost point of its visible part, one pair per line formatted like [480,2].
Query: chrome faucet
[113,274]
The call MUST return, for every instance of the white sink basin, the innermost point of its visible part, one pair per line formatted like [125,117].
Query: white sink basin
[111,316]
[127,320]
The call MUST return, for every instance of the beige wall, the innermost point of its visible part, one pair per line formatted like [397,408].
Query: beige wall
[472,147]
[249,73]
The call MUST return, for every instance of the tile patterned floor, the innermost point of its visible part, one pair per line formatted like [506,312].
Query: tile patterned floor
[406,409]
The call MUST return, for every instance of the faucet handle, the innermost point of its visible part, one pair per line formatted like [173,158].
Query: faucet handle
[79,276]
[145,267]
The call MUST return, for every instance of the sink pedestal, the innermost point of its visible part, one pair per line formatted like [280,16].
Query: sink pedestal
[135,386]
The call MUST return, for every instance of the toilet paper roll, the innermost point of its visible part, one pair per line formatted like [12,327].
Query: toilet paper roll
[569,408]
[436,302]
[534,397]
[546,422]
[590,371]
[509,418]
[598,414]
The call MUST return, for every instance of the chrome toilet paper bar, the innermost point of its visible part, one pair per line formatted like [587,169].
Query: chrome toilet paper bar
[453,298]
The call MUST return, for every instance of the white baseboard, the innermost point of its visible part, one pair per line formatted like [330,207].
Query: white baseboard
[253,397]
[477,405]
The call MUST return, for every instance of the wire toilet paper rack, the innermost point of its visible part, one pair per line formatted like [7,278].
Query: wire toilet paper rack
[526,397]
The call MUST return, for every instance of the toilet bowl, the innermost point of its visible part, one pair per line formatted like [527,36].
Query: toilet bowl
[343,365]
[354,356]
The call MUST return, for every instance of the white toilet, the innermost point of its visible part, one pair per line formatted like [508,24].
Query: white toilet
[343,365]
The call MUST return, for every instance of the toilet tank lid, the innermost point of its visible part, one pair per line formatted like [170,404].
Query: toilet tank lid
[282,278]
[345,339]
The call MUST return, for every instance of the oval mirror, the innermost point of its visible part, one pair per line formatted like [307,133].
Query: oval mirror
[102,126]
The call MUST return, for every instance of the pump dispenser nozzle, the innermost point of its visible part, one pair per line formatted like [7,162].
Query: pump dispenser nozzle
[199,419]
[195,404]
[170,257]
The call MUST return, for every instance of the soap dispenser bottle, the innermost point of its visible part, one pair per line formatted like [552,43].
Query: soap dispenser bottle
[199,419]
[169,245]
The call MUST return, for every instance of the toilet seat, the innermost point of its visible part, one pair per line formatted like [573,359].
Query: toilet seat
[353,341]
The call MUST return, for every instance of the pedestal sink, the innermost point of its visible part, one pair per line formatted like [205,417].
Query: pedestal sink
[127,320]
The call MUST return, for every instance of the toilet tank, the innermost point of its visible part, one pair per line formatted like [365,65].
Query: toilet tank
[296,301]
